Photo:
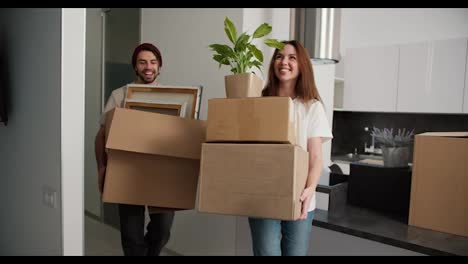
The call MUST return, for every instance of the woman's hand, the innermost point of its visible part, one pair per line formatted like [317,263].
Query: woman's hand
[306,197]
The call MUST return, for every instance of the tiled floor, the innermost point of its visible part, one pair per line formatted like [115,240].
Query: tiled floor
[103,240]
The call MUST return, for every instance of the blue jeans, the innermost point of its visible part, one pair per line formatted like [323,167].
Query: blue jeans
[280,238]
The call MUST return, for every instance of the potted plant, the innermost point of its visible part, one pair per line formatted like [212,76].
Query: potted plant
[241,57]
[395,147]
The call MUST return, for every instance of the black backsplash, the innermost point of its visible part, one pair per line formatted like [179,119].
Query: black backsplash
[348,127]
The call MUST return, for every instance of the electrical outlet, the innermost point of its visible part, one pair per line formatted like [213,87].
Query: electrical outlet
[49,197]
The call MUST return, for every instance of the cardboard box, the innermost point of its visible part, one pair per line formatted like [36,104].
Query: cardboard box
[259,180]
[262,119]
[153,159]
[439,188]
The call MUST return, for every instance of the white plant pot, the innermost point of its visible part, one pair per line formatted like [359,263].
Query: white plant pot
[395,156]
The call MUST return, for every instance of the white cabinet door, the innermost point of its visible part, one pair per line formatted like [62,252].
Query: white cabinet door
[432,76]
[371,79]
[447,78]
[465,102]
[413,76]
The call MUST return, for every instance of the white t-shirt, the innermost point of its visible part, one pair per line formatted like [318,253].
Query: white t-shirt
[311,122]
[116,99]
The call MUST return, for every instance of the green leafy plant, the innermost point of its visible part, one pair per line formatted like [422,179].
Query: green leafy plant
[243,55]
[388,139]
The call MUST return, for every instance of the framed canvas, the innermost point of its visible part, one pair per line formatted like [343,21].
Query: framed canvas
[183,101]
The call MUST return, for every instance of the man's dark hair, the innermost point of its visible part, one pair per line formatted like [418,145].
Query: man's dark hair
[148,47]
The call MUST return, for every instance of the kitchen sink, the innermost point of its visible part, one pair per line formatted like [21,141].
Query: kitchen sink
[363,156]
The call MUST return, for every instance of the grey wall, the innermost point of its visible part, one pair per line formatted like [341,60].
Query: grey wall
[93,106]
[30,144]
[122,35]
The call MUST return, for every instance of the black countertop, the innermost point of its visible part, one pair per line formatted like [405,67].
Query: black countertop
[389,230]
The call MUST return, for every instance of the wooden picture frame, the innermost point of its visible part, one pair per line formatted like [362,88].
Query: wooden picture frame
[151,98]
[170,109]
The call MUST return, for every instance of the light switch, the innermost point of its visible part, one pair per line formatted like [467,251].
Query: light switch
[49,197]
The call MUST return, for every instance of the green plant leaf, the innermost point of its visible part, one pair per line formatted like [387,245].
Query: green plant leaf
[242,55]
[241,42]
[249,56]
[273,43]
[262,30]
[230,30]
[256,52]
[224,50]
[257,64]
[221,59]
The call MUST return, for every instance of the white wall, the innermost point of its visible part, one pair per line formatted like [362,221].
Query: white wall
[366,27]
[278,19]
[72,129]
[31,150]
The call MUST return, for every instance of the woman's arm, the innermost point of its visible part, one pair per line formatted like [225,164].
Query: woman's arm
[314,147]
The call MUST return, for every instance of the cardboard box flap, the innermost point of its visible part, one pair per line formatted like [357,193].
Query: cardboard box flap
[157,134]
[444,134]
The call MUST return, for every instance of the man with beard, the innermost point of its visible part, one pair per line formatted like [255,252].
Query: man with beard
[147,63]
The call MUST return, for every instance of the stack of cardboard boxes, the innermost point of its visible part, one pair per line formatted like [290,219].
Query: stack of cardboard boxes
[250,165]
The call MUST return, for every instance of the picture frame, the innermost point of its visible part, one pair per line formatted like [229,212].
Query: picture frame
[174,108]
[183,101]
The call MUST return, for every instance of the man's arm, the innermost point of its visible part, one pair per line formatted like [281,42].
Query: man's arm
[101,156]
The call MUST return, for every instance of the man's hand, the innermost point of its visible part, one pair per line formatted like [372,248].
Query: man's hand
[101,178]
[306,196]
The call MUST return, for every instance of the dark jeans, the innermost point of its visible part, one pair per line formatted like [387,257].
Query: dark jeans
[132,223]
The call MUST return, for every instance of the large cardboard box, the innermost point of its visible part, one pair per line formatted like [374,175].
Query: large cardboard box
[153,159]
[259,180]
[439,188]
[262,119]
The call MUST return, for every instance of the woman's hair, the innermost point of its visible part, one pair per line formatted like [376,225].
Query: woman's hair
[305,88]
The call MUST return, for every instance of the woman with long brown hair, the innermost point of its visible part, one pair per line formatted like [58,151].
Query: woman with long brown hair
[291,74]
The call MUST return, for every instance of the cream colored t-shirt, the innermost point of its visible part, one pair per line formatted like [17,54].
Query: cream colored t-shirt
[116,99]
[311,122]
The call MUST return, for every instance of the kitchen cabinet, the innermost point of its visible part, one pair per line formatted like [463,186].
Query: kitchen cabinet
[465,101]
[371,78]
[424,77]
[431,76]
